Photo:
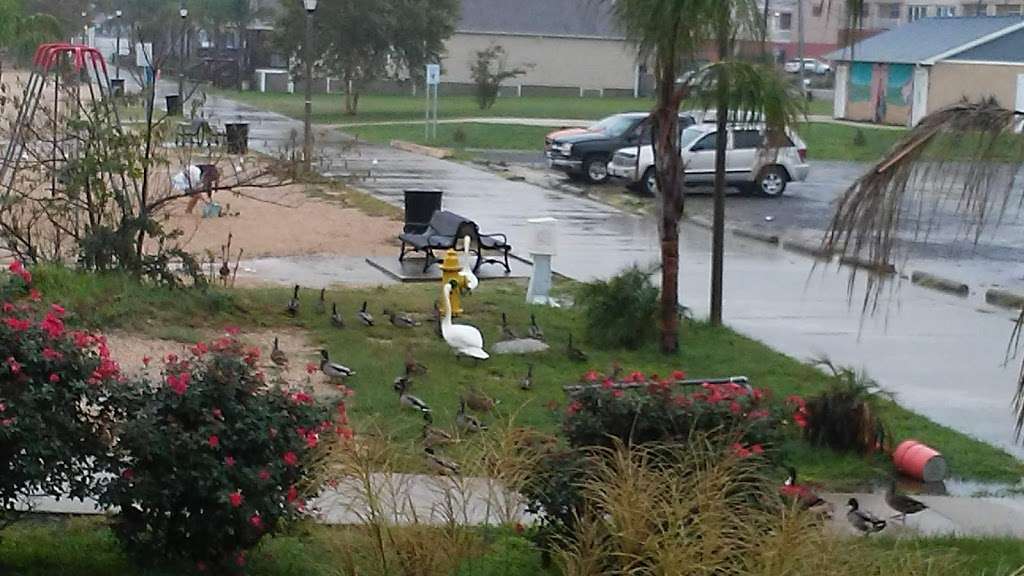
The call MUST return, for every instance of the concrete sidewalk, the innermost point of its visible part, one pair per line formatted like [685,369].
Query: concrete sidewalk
[437,500]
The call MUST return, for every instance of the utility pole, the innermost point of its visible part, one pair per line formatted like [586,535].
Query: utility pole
[800,45]
[183,12]
[117,48]
[307,143]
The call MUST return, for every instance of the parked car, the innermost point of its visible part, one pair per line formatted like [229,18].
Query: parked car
[750,166]
[812,65]
[585,153]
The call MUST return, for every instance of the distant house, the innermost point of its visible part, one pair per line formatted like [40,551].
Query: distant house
[566,46]
[900,76]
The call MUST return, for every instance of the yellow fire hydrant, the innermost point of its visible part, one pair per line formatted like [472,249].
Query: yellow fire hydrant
[450,271]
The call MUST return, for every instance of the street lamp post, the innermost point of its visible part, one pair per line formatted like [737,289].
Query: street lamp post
[117,46]
[85,27]
[307,145]
[183,12]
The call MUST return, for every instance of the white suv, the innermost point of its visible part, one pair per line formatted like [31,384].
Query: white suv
[750,166]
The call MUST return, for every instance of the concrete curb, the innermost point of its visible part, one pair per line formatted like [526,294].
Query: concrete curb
[439,153]
[755,235]
[864,263]
[813,250]
[1005,299]
[941,284]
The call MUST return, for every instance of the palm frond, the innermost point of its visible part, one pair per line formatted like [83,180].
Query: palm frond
[757,93]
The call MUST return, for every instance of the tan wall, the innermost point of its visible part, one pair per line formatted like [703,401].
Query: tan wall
[950,83]
[590,64]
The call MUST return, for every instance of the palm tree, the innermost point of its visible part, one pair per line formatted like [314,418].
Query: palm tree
[667,33]
[969,156]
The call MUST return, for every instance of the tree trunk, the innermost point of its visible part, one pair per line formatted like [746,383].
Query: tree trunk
[667,167]
[718,227]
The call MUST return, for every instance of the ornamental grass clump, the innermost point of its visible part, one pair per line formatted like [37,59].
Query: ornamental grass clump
[212,459]
[56,391]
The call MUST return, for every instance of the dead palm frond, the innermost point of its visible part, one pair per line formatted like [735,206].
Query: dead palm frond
[964,158]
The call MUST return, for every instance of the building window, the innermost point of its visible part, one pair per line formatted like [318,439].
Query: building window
[817,9]
[945,11]
[889,10]
[785,21]
[973,9]
[1008,10]
[916,12]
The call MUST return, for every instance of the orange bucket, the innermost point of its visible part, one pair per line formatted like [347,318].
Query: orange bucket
[919,461]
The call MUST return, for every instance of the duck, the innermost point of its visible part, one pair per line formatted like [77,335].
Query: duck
[400,320]
[465,340]
[574,353]
[408,400]
[336,320]
[471,281]
[527,382]
[365,317]
[467,422]
[804,495]
[535,331]
[321,305]
[862,520]
[277,356]
[478,401]
[440,465]
[901,502]
[506,331]
[412,367]
[435,437]
[293,304]
[333,370]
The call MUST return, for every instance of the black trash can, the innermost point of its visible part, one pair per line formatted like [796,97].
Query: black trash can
[420,205]
[237,136]
[117,87]
[173,105]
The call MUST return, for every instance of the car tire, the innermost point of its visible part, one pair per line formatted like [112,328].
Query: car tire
[771,182]
[649,183]
[595,169]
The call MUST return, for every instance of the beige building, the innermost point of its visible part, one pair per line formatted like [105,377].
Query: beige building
[565,47]
[900,76]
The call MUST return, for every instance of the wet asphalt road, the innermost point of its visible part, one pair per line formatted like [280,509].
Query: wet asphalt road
[806,210]
[942,356]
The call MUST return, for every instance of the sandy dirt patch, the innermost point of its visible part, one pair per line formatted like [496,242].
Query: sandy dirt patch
[294,224]
[131,349]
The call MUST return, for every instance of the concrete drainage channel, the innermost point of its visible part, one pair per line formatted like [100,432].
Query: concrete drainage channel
[993,296]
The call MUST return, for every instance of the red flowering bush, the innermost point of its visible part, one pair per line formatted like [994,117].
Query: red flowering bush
[212,460]
[55,399]
[641,408]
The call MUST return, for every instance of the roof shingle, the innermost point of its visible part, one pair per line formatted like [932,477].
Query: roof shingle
[924,39]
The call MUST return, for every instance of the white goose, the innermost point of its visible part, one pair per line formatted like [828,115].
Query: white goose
[464,339]
[467,270]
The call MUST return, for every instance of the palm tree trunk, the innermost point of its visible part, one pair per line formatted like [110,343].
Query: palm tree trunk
[718,227]
[667,167]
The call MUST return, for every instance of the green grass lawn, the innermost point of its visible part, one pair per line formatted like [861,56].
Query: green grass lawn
[86,547]
[836,142]
[460,136]
[377,354]
[329,109]
[820,107]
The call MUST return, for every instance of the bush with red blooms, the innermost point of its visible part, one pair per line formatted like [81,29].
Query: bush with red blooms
[213,460]
[639,408]
[54,400]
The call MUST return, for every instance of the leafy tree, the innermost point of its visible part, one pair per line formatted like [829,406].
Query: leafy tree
[360,41]
[22,31]
[488,72]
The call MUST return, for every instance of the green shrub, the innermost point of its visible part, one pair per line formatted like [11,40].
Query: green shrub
[212,459]
[54,400]
[858,138]
[620,312]
[843,417]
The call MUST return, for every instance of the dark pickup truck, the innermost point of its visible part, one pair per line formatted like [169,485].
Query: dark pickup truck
[585,152]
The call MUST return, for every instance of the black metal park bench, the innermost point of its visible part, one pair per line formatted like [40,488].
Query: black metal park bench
[444,232]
